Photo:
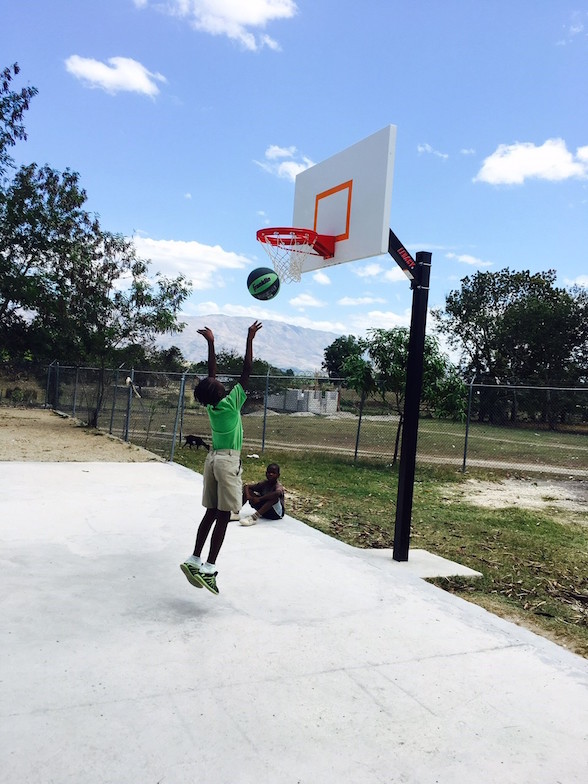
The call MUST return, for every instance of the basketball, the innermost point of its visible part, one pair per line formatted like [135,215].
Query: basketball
[263,283]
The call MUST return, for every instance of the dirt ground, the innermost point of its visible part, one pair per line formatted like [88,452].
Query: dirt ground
[39,435]
[564,496]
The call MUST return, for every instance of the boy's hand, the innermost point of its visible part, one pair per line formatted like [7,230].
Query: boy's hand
[207,334]
[254,329]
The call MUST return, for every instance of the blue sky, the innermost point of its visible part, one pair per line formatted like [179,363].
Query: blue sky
[188,120]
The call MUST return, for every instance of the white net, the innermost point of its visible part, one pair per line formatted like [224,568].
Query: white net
[288,251]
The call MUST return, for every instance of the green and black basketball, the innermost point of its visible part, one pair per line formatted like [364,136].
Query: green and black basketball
[263,283]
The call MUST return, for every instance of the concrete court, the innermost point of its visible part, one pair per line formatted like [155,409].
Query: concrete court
[318,663]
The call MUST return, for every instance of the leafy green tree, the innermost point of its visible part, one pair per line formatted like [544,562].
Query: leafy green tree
[384,375]
[168,360]
[13,105]
[544,339]
[518,328]
[337,353]
[69,288]
[43,228]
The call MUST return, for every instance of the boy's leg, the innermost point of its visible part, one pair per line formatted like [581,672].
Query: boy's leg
[227,473]
[218,535]
[206,574]
[192,565]
[204,529]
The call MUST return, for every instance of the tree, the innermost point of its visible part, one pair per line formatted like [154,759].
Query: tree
[68,289]
[384,374]
[338,352]
[12,108]
[518,328]
[42,228]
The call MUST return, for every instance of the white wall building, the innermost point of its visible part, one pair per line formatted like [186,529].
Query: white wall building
[312,401]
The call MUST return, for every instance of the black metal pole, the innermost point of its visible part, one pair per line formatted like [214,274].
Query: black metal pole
[412,400]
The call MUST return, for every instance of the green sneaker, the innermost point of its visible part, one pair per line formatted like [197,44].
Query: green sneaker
[191,573]
[208,581]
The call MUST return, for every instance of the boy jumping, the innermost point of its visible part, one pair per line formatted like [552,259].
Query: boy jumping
[222,468]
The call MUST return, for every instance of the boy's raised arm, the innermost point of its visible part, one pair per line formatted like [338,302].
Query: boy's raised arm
[248,361]
[209,337]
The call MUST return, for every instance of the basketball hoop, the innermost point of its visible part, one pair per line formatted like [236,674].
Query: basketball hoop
[288,249]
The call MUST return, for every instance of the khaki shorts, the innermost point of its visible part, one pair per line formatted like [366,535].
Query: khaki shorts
[222,488]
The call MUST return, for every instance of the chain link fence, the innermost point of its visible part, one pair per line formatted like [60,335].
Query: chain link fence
[527,426]
[509,427]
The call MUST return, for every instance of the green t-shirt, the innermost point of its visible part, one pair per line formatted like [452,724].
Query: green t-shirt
[225,420]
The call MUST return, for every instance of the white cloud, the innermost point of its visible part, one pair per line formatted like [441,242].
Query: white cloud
[576,27]
[284,162]
[321,278]
[391,273]
[421,148]
[353,301]
[201,264]
[118,74]
[273,152]
[239,20]
[378,319]
[580,280]
[468,151]
[395,275]
[187,196]
[465,258]
[512,164]
[289,169]
[305,301]
[368,270]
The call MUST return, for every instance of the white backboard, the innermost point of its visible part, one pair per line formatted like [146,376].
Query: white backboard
[349,196]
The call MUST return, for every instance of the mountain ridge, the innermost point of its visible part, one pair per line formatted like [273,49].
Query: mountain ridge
[285,346]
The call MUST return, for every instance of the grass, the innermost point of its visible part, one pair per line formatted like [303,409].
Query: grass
[437,439]
[534,564]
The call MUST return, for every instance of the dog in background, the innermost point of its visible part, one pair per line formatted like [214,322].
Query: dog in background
[196,441]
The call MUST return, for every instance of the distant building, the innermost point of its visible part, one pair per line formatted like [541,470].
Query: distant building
[312,401]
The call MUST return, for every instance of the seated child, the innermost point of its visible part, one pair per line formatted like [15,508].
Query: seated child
[266,497]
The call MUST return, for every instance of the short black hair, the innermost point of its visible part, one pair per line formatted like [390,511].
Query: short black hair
[209,391]
[274,466]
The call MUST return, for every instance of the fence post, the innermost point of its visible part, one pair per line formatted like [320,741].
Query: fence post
[113,400]
[56,404]
[265,411]
[129,401]
[179,408]
[465,445]
[361,402]
[183,411]
[48,384]
[75,394]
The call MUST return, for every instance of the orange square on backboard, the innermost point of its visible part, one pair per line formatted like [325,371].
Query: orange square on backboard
[332,211]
